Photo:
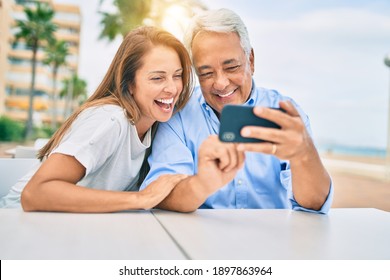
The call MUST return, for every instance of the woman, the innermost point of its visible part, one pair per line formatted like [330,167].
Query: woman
[93,162]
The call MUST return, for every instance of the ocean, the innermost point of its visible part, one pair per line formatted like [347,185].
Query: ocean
[352,151]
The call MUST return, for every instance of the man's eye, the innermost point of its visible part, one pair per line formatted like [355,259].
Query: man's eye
[156,78]
[207,74]
[233,68]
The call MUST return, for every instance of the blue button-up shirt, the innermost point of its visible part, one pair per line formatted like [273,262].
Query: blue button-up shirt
[263,182]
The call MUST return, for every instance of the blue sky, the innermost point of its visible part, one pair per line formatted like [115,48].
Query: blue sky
[327,55]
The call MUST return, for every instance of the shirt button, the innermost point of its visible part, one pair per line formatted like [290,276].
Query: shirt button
[91,142]
[112,118]
[239,182]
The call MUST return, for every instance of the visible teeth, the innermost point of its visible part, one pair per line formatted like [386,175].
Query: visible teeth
[225,95]
[165,101]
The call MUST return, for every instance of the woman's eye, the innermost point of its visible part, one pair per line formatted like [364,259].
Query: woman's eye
[156,78]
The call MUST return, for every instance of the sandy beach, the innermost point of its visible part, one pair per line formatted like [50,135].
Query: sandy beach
[359,182]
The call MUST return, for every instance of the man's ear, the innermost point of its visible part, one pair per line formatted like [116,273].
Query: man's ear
[252,60]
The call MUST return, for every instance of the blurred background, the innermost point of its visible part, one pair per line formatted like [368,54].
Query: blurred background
[332,57]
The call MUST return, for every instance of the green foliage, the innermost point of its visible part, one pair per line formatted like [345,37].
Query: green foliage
[55,56]
[45,131]
[56,53]
[11,130]
[74,89]
[130,14]
[76,86]
[36,30]
[37,26]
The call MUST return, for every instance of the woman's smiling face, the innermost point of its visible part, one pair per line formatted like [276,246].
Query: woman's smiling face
[158,84]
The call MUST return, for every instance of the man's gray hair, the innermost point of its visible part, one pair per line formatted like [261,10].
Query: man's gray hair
[220,21]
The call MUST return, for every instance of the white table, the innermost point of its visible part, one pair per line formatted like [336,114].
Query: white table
[203,235]
[116,236]
[280,234]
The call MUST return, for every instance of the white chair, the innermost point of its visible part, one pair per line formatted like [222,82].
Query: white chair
[25,152]
[12,169]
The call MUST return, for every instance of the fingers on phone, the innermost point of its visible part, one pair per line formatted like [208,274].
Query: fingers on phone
[289,108]
[274,115]
[263,133]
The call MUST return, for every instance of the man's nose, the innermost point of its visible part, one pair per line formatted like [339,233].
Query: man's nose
[221,81]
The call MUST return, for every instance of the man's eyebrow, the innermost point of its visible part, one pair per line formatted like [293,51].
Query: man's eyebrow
[226,62]
[204,67]
[229,61]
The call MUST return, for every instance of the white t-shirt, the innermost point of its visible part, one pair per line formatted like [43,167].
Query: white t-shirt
[106,144]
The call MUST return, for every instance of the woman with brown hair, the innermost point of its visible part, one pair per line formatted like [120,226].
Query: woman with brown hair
[94,161]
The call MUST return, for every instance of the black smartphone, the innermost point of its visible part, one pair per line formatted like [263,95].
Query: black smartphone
[235,117]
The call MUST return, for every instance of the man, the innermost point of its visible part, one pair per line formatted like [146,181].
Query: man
[284,172]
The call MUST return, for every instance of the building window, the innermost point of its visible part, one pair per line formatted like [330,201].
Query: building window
[67,17]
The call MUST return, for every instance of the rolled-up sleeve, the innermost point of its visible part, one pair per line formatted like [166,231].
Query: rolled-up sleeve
[170,155]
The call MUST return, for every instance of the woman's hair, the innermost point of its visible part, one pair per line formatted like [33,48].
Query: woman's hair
[114,89]
[220,21]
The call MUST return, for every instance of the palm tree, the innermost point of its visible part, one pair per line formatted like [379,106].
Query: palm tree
[56,54]
[74,89]
[37,30]
[129,15]
[133,13]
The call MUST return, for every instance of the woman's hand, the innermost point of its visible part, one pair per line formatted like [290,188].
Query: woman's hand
[156,191]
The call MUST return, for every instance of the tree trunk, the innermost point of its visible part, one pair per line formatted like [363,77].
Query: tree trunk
[54,99]
[69,98]
[29,124]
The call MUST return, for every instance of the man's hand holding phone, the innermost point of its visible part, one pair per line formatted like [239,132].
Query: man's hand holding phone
[283,134]
[235,117]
